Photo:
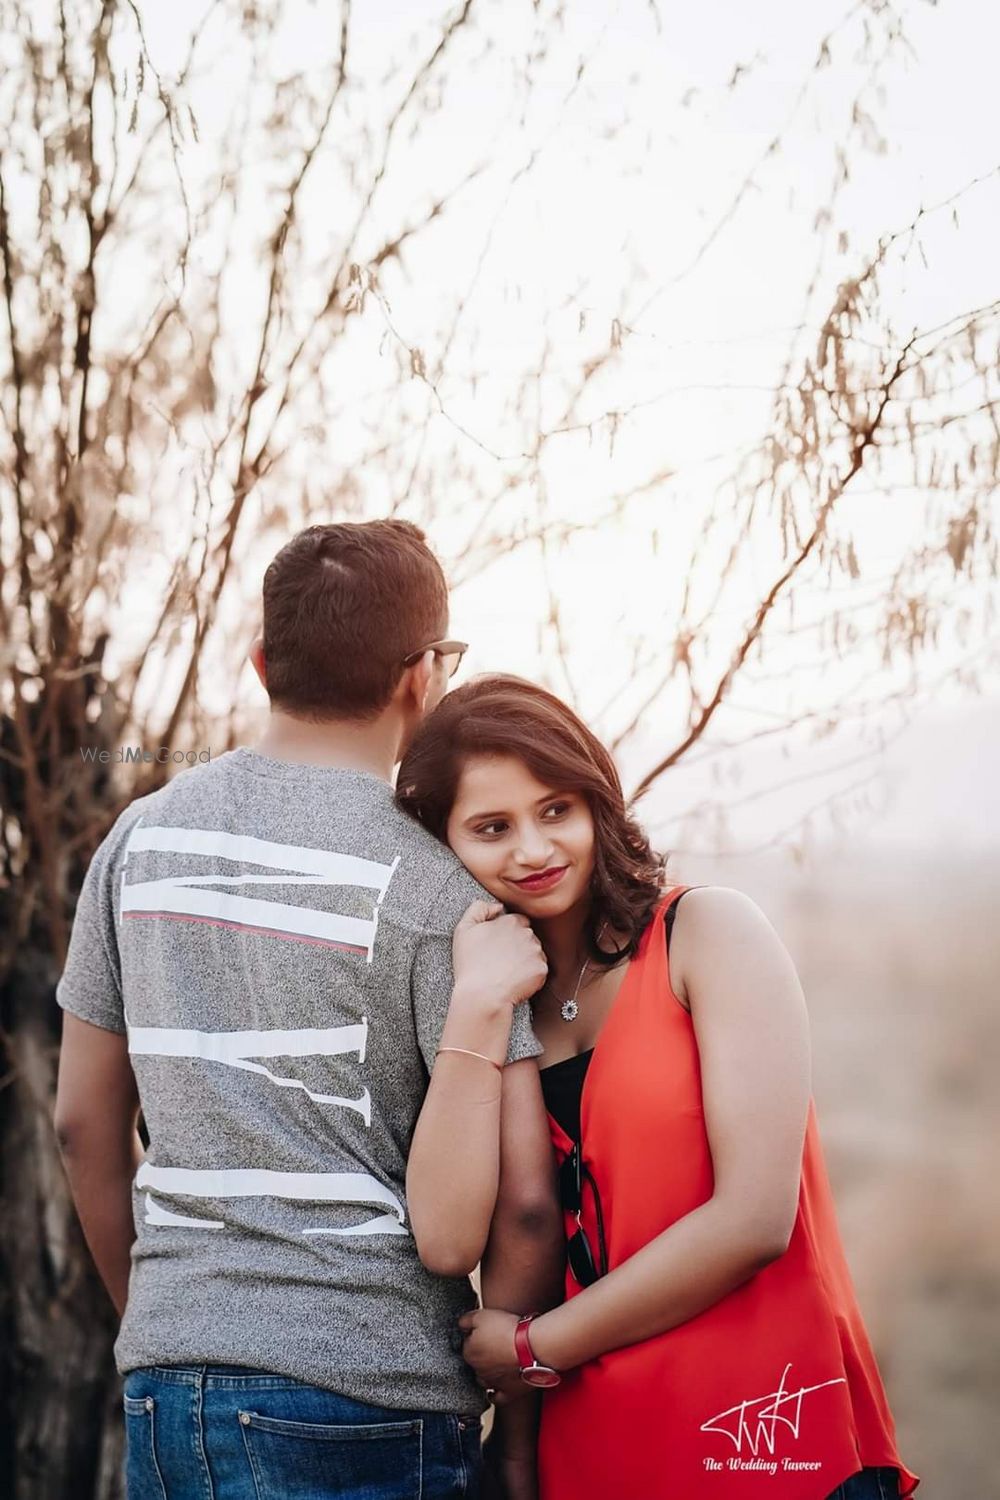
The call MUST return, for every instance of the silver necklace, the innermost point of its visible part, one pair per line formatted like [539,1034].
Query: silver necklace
[569,1009]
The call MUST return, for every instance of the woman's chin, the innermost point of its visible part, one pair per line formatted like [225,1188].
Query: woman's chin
[542,906]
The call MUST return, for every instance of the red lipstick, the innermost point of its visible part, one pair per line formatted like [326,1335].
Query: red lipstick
[543,881]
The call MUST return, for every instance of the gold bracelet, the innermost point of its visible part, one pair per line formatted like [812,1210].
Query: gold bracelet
[481,1055]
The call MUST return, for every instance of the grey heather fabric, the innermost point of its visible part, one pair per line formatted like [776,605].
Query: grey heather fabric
[276,939]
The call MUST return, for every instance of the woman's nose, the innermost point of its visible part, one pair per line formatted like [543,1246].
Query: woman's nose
[534,847]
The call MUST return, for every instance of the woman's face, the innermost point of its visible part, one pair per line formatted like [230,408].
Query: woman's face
[530,845]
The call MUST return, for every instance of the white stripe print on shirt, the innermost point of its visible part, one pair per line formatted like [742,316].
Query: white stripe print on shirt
[310,1187]
[234,1049]
[190,897]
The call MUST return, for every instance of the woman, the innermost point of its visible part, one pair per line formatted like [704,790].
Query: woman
[709,1342]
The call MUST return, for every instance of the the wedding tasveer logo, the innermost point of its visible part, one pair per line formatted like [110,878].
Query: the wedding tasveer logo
[753,1426]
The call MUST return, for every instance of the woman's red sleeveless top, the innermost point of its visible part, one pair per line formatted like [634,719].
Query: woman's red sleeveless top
[772,1392]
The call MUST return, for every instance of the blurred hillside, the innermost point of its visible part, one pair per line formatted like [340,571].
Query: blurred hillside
[899,955]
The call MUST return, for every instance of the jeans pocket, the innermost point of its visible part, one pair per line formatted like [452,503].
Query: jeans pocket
[142,1472]
[320,1461]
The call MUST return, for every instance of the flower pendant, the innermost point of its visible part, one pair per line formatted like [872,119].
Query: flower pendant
[569,1010]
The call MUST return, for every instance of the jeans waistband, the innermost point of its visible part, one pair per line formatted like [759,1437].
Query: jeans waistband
[226,1377]
[243,1378]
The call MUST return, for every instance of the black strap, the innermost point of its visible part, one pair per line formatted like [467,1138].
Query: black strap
[670,914]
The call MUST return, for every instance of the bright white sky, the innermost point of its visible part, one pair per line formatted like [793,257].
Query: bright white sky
[594,222]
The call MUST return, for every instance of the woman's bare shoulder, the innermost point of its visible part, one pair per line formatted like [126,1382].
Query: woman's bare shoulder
[713,922]
[713,904]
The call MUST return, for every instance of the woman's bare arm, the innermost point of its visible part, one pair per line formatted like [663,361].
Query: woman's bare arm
[453,1170]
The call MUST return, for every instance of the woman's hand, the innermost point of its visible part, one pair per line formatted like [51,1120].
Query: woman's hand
[497,957]
[489,1349]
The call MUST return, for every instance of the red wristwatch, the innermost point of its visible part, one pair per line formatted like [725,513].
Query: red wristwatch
[532,1373]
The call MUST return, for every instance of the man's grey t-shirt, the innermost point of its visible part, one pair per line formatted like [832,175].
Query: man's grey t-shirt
[275,939]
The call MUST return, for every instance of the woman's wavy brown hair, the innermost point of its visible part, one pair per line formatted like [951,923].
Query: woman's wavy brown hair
[504,715]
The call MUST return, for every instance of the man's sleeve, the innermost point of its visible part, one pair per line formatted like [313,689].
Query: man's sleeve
[91,983]
[432,976]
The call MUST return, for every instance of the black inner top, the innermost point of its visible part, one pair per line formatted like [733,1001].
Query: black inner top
[562,1082]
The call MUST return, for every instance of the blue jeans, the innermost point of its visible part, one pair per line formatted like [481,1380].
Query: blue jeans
[217,1432]
[869,1484]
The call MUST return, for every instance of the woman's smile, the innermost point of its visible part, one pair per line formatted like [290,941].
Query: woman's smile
[543,880]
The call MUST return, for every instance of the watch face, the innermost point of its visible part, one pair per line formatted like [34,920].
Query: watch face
[541,1376]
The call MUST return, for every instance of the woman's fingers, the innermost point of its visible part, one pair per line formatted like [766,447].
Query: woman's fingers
[480,911]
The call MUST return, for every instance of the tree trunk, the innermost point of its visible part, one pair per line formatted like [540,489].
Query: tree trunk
[61,1431]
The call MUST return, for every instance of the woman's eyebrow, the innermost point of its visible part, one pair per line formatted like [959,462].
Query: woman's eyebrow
[479,817]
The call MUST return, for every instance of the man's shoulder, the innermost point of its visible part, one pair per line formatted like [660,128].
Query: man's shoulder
[426,855]
[191,786]
[196,796]
[428,873]
[134,812]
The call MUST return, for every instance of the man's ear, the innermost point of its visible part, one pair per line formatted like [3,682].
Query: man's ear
[421,676]
[256,656]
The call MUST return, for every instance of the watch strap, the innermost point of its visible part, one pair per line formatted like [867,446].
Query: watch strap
[522,1342]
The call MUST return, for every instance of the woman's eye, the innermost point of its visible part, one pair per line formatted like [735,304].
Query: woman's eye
[492,830]
[557,809]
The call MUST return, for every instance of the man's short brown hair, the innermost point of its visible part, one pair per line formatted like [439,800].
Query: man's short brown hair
[343,605]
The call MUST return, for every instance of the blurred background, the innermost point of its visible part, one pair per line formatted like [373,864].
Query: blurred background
[678,330]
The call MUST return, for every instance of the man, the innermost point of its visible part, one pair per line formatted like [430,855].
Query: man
[261,963]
